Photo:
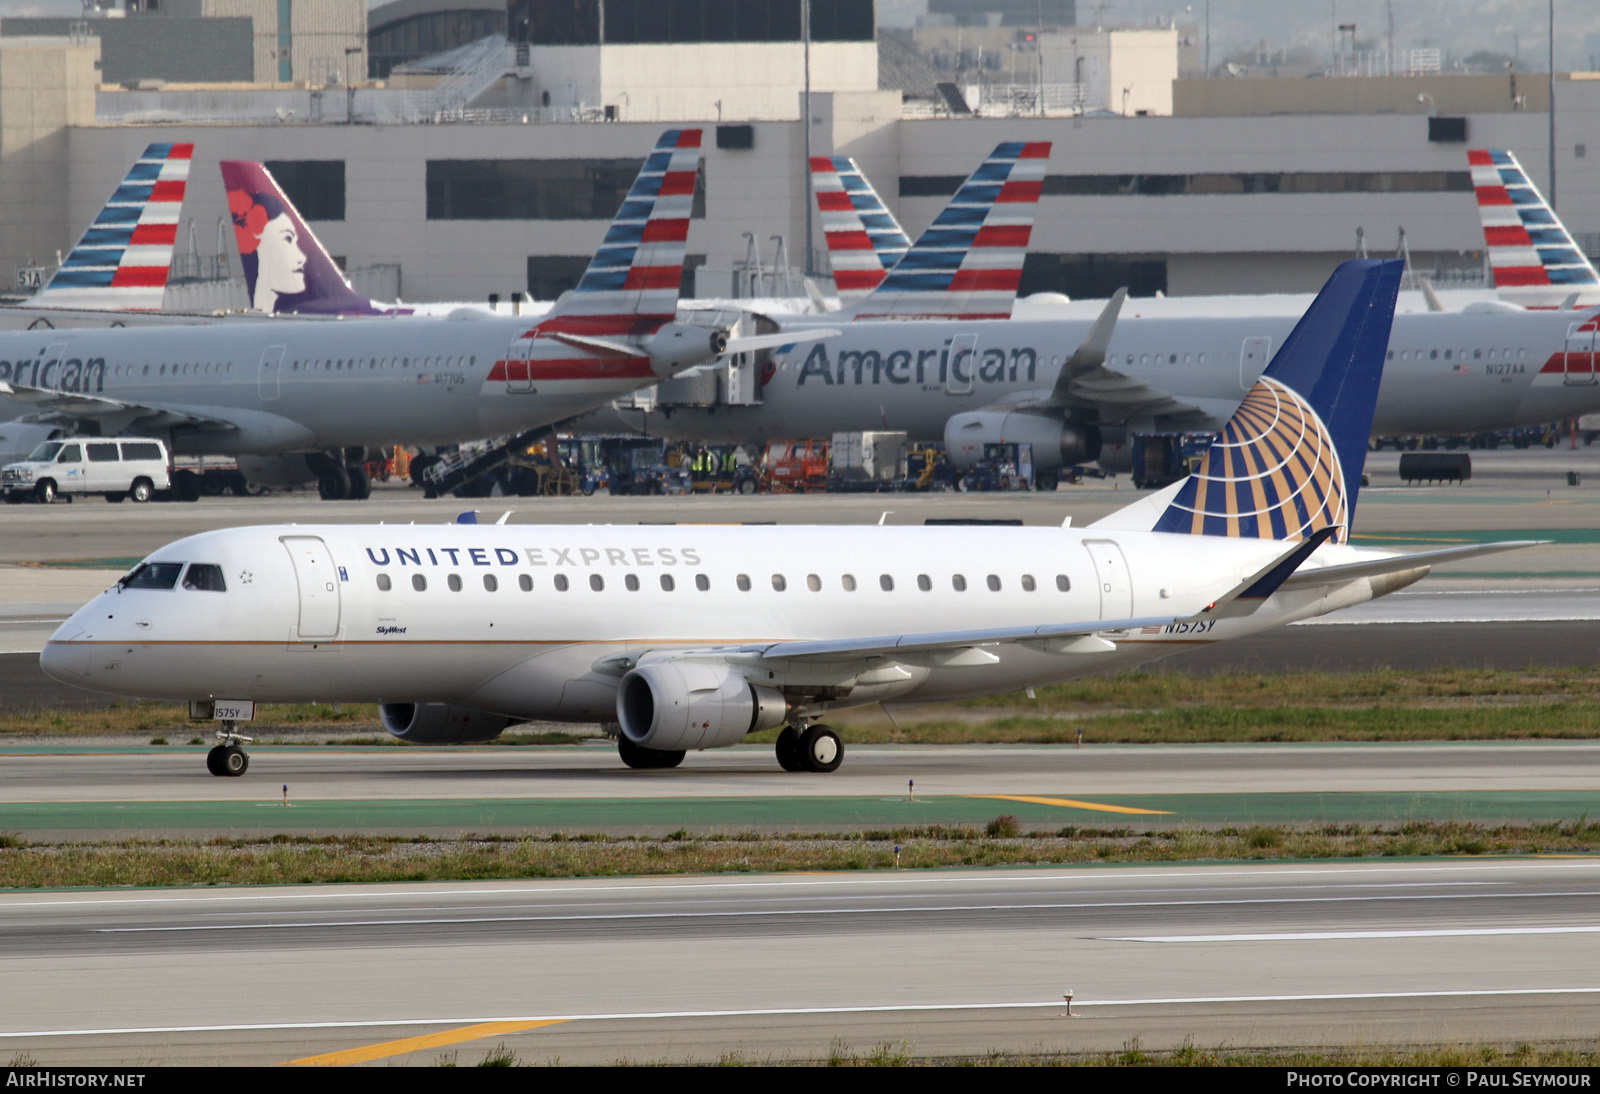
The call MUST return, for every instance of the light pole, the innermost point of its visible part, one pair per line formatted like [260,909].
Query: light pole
[1552,96]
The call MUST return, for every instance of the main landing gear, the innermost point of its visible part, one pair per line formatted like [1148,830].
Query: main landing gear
[809,748]
[228,758]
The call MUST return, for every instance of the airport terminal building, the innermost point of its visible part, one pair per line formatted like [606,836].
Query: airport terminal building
[491,163]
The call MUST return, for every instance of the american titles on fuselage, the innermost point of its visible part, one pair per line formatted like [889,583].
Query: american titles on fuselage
[71,374]
[904,366]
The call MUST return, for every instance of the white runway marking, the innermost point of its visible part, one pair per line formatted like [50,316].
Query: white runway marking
[647,1016]
[1322,936]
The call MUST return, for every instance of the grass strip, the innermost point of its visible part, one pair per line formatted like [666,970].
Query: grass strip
[294,860]
[1133,707]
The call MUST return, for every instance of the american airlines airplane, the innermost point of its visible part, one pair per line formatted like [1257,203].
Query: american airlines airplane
[1070,387]
[302,400]
[693,637]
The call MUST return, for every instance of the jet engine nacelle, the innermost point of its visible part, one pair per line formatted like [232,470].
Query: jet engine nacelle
[682,705]
[1055,443]
[678,344]
[440,723]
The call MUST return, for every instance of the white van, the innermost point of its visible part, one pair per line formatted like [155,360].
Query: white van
[118,467]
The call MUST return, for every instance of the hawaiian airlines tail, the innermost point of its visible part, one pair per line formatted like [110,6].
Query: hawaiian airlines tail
[968,264]
[864,240]
[121,262]
[1288,463]
[286,269]
[1534,261]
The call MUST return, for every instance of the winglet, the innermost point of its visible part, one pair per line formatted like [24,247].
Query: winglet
[287,270]
[1534,260]
[122,261]
[968,264]
[1091,353]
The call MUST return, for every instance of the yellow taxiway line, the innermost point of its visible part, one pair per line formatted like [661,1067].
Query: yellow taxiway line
[1070,804]
[384,1049]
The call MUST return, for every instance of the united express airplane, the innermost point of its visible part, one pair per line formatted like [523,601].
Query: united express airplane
[306,398]
[693,637]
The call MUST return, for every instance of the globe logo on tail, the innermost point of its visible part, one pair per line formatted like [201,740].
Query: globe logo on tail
[1272,473]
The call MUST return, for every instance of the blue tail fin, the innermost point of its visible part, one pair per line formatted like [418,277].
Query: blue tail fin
[1288,463]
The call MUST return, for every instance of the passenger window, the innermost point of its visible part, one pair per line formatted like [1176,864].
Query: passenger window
[667,584]
[1028,584]
[153,575]
[886,583]
[743,581]
[814,583]
[454,581]
[925,583]
[525,583]
[1062,584]
[702,582]
[597,583]
[491,584]
[561,583]
[994,583]
[103,452]
[205,577]
[778,583]
[632,582]
[384,584]
[419,583]
[958,583]
[849,583]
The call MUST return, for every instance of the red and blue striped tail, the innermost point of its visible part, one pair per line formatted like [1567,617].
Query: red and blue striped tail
[121,262]
[631,285]
[1534,261]
[864,240]
[968,264]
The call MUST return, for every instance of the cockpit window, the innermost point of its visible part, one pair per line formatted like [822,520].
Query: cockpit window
[153,575]
[205,577]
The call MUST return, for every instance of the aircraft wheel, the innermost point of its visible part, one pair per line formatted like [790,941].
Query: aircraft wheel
[334,485]
[360,484]
[214,760]
[244,488]
[821,749]
[233,761]
[788,749]
[647,759]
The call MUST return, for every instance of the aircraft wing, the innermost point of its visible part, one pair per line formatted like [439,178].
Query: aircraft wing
[71,406]
[958,647]
[1087,382]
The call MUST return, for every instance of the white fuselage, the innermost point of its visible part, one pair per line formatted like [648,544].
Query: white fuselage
[1446,373]
[539,622]
[292,385]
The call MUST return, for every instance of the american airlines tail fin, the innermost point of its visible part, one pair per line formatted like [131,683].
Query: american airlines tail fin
[286,270]
[1288,463]
[864,240]
[121,262]
[1534,260]
[967,265]
[632,283]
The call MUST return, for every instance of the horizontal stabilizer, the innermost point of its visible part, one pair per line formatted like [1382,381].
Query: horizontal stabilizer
[1328,575]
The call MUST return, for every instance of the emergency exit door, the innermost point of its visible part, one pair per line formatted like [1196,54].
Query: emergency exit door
[318,581]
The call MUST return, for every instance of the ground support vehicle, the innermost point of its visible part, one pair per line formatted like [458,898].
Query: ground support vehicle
[117,468]
[796,467]
[1004,466]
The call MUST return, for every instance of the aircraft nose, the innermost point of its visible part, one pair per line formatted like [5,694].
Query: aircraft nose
[64,659]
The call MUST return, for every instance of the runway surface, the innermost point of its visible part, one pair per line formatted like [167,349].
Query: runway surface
[679,969]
